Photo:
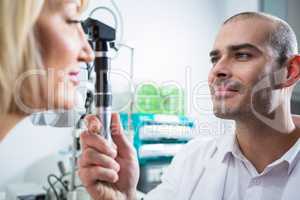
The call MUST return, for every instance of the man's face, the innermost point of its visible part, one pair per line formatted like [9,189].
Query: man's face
[241,58]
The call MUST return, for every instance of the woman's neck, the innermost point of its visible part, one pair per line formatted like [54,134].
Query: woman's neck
[8,122]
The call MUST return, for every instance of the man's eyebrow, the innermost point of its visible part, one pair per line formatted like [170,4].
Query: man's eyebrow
[237,47]
[214,53]
[244,46]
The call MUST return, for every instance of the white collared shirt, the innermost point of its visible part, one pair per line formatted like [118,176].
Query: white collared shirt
[215,169]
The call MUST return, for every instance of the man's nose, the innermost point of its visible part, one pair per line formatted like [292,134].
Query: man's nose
[222,69]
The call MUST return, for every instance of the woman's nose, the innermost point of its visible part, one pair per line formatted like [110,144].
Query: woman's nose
[86,53]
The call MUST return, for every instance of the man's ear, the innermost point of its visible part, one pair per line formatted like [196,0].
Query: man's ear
[293,71]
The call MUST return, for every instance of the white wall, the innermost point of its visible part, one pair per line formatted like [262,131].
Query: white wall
[232,7]
[293,16]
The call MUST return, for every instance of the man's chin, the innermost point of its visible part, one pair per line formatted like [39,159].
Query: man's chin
[222,115]
[225,114]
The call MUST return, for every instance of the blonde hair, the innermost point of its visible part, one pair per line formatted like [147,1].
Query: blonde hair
[19,52]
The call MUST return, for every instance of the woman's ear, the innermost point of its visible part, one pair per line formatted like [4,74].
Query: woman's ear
[293,71]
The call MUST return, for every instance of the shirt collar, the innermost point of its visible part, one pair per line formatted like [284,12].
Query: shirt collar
[227,146]
[292,156]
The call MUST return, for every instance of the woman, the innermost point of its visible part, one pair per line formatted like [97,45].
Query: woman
[42,44]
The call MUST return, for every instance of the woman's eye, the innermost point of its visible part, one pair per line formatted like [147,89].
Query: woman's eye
[243,56]
[73,21]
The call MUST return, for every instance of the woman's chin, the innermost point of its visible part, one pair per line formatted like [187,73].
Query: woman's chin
[69,104]
[66,98]
[64,104]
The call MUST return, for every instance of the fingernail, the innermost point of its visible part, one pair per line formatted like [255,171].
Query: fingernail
[114,152]
[118,168]
[116,179]
[94,128]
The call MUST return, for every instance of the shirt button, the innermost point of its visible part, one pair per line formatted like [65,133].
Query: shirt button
[256,182]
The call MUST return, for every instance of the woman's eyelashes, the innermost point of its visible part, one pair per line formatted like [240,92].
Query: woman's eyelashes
[73,21]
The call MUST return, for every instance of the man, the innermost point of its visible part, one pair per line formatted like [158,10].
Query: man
[255,67]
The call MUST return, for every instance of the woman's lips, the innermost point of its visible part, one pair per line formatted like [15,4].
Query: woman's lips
[74,77]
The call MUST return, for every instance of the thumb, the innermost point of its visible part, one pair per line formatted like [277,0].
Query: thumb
[93,124]
[123,145]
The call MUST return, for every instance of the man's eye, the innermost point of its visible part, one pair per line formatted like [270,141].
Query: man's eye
[214,59]
[243,56]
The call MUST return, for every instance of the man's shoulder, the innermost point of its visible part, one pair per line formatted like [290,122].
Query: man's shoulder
[197,148]
[200,144]
[204,147]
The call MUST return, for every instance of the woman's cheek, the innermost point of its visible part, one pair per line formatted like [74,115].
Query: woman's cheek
[68,53]
[65,95]
[60,91]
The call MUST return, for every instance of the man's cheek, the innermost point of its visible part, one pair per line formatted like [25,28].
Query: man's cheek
[210,79]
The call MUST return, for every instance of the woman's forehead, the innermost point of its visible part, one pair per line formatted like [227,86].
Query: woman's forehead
[77,2]
[60,4]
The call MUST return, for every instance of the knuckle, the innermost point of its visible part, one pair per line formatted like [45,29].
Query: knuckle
[83,176]
[89,154]
[108,162]
[114,177]
[106,174]
[110,175]
[83,135]
[81,162]
[104,146]
[106,150]
[115,165]
[112,165]
[84,139]
[103,192]
[101,158]
[89,176]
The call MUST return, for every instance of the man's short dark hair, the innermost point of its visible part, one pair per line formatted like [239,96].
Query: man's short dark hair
[282,38]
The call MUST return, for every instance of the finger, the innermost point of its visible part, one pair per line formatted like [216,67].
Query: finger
[93,124]
[91,175]
[101,191]
[124,147]
[95,141]
[91,157]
